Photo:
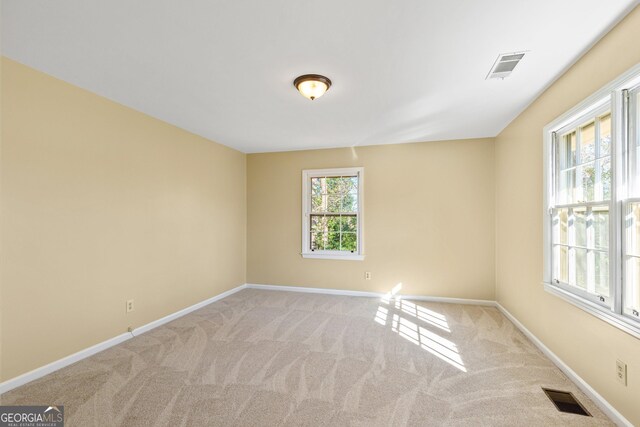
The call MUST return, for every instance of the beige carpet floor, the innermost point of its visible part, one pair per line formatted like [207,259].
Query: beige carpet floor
[282,358]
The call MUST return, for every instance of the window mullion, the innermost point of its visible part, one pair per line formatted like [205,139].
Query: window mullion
[619,192]
[591,256]
[555,162]
[598,188]
[579,195]
[571,225]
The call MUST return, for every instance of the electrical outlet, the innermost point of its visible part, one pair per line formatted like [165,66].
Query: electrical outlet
[621,372]
[367,275]
[130,306]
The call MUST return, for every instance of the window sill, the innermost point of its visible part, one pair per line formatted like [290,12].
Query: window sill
[350,257]
[621,322]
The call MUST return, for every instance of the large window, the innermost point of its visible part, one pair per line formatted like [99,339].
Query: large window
[592,204]
[581,213]
[332,213]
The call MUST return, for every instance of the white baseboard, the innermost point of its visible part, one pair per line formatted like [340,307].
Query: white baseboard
[314,290]
[447,300]
[184,311]
[61,363]
[369,294]
[83,354]
[605,406]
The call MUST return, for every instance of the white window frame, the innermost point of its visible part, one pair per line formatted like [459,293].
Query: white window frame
[306,214]
[614,96]
[575,125]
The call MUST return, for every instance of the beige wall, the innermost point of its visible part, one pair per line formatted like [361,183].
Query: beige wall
[429,208]
[586,344]
[101,204]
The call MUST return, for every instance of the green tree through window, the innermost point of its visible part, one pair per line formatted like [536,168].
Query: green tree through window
[334,209]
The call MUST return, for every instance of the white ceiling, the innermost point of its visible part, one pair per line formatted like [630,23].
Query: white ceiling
[402,71]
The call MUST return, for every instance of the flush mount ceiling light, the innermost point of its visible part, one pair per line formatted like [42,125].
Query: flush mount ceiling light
[312,86]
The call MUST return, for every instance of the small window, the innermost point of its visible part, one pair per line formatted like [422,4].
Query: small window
[332,213]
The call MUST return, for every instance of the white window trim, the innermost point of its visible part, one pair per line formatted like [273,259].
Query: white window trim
[306,212]
[612,94]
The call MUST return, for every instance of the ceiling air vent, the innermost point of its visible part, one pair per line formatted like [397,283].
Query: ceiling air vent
[504,65]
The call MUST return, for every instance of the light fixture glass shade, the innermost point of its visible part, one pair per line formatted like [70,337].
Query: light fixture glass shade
[312,86]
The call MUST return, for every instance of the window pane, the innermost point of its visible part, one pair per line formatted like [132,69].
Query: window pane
[631,297]
[317,241]
[325,224]
[605,177]
[632,225]
[561,263]
[350,202]
[584,171]
[602,273]
[333,203]
[353,186]
[580,267]
[581,242]
[586,183]
[580,226]
[333,185]
[334,233]
[561,226]
[318,203]
[349,242]
[317,223]
[332,242]
[333,224]
[601,227]
[349,224]
[341,185]
[346,184]
[605,135]
[333,200]
[567,186]
[567,151]
[587,143]
[317,184]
